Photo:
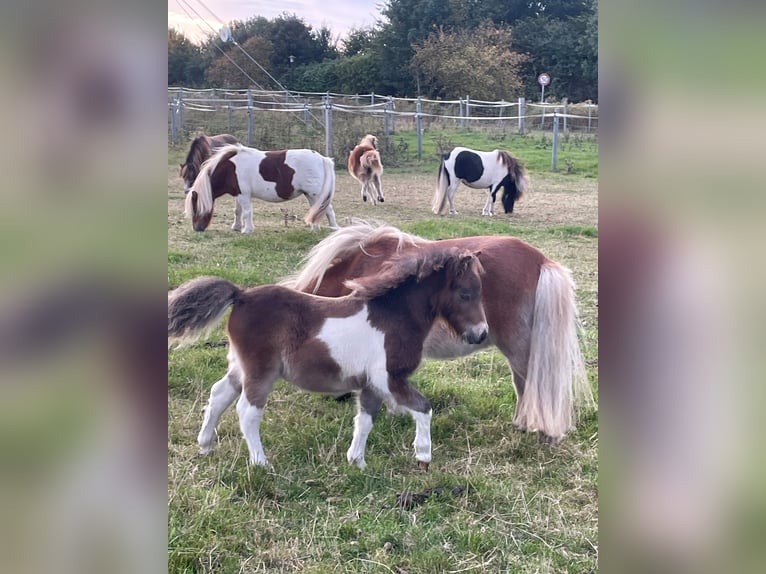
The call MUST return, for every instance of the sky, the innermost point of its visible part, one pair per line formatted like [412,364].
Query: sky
[339,16]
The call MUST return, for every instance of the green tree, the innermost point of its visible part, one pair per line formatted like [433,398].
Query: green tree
[185,67]
[476,62]
[226,71]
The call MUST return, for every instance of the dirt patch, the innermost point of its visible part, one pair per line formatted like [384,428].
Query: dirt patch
[553,200]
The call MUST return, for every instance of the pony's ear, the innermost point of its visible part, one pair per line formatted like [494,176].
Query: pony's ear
[466,258]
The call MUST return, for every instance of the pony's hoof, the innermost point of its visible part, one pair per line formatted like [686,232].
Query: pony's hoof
[381,199]
[423,465]
[364,198]
[547,439]
[205,450]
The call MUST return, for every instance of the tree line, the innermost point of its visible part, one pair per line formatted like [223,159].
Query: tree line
[488,49]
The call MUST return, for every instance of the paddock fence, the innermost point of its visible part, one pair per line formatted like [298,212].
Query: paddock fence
[335,122]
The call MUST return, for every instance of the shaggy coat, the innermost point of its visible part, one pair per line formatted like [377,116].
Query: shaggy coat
[529,301]
[365,167]
[369,342]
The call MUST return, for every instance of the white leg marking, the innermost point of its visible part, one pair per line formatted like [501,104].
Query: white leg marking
[247,212]
[222,395]
[250,422]
[330,214]
[237,225]
[451,198]
[362,428]
[487,206]
[422,442]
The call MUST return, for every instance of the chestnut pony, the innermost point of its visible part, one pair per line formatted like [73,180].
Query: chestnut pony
[202,147]
[368,342]
[529,301]
[365,167]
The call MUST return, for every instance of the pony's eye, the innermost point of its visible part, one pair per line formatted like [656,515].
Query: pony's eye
[465,296]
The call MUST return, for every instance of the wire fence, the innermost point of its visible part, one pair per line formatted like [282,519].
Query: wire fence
[335,122]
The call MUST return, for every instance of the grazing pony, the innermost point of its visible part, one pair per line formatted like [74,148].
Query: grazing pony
[479,170]
[273,176]
[202,147]
[529,301]
[369,342]
[365,167]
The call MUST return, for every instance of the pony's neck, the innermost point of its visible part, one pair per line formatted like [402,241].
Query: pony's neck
[411,304]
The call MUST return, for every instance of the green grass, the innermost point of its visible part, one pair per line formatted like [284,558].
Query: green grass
[533,149]
[525,508]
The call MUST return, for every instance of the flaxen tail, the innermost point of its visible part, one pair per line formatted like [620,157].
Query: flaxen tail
[317,210]
[196,307]
[556,379]
[439,205]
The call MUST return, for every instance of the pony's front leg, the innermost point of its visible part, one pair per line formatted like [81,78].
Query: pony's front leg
[367,411]
[222,395]
[250,417]
[246,204]
[420,410]
[237,225]
[379,187]
[489,205]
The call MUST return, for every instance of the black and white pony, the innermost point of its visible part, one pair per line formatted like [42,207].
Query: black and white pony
[479,170]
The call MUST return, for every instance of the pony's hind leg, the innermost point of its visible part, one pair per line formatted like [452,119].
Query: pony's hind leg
[378,187]
[258,381]
[367,411]
[451,198]
[330,214]
[222,395]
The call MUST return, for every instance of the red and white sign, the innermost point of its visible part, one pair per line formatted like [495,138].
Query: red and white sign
[544,79]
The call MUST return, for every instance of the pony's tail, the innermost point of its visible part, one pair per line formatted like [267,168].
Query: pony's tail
[518,183]
[556,379]
[196,307]
[317,210]
[439,205]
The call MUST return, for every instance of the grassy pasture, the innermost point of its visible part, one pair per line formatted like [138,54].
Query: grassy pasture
[525,507]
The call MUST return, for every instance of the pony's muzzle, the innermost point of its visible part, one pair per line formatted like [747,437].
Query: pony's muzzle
[477,334]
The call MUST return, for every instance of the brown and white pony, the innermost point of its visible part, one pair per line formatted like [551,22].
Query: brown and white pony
[480,170]
[273,176]
[365,167]
[529,301]
[202,147]
[369,342]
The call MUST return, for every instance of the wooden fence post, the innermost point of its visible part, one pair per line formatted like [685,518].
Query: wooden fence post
[522,114]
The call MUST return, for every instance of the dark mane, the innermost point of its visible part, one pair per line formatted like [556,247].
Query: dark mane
[419,266]
[199,151]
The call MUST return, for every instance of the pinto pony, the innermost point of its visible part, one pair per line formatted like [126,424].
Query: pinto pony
[202,147]
[365,167]
[273,176]
[369,342]
[529,301]
[479,170]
